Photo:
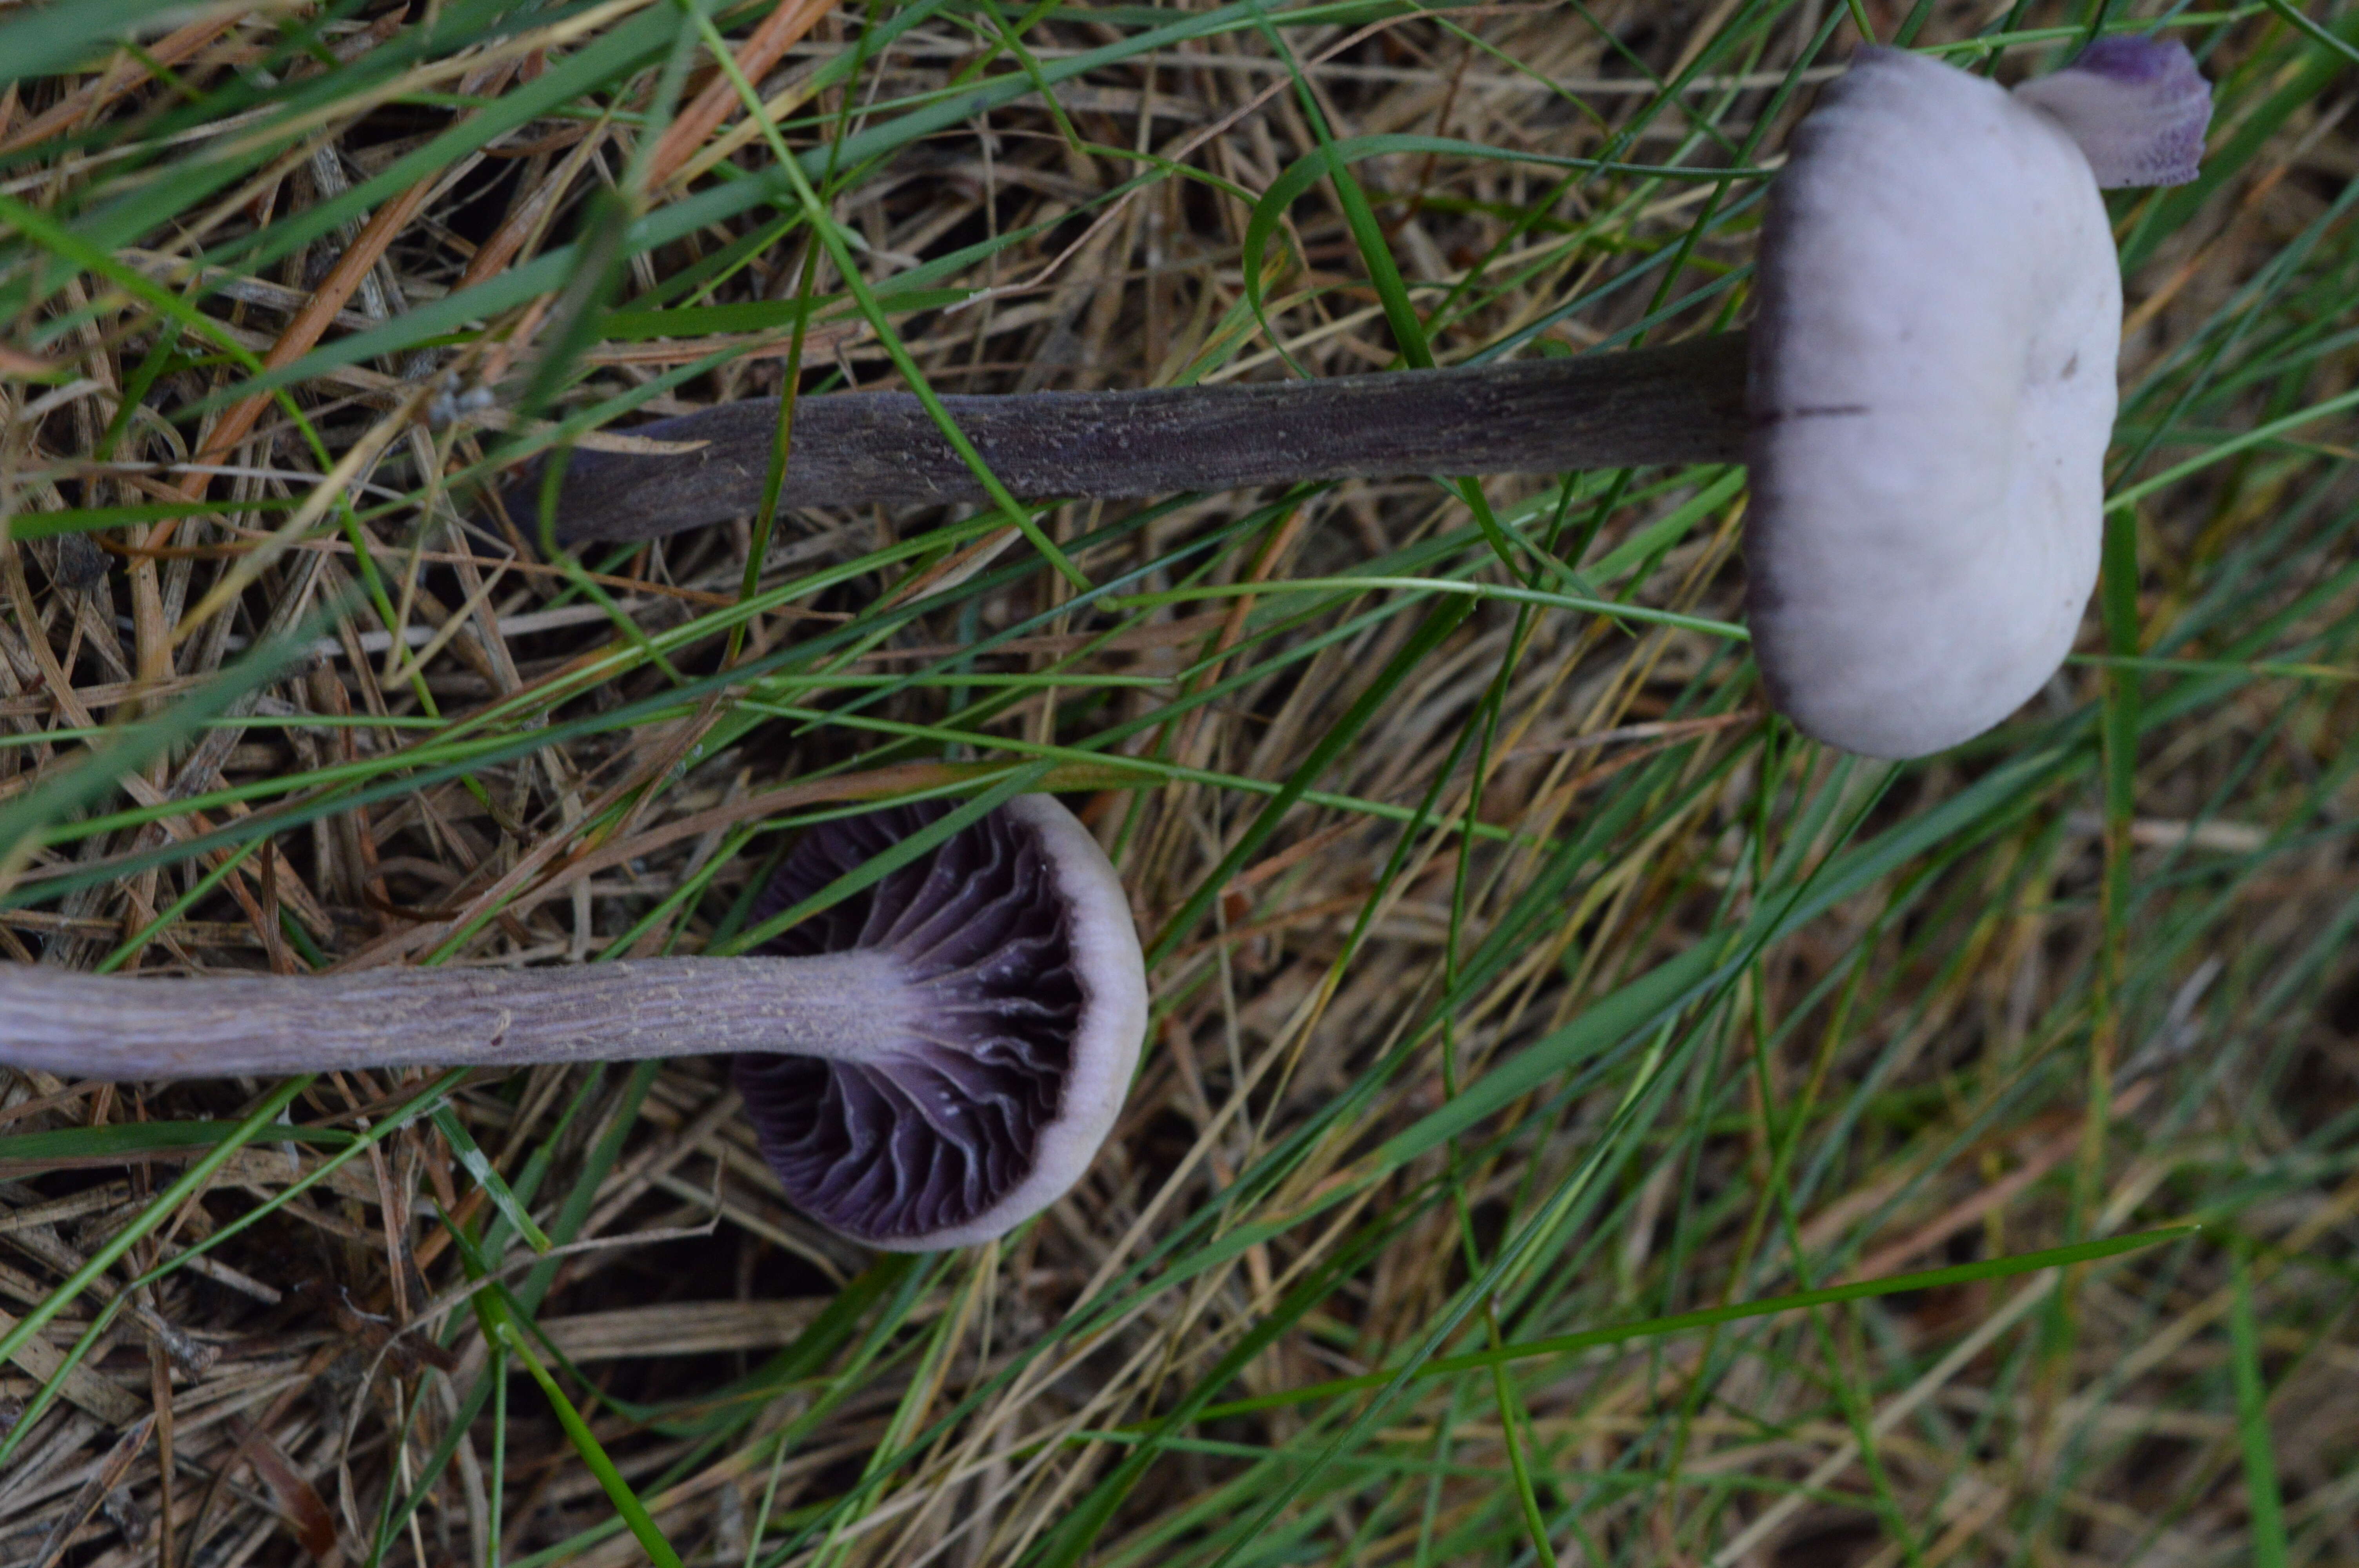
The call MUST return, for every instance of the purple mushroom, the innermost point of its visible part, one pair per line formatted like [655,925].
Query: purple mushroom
[1932,384]
[926,1062]
[1925,401]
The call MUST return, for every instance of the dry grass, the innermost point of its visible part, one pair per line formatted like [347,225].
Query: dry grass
[1515,979]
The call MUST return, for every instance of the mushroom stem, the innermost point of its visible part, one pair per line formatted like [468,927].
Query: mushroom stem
[849,1006]
[1677,404]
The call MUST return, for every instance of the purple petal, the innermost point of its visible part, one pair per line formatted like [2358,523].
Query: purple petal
[2137,107]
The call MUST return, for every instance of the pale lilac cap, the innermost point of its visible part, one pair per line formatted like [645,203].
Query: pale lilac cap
[1931,385]
[2137,107]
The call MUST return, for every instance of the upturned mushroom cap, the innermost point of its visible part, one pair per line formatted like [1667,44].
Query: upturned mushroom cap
[1027,1004]
[1931,388]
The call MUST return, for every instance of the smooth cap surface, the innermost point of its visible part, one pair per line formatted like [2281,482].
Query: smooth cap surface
[1933,388]
[1027,1001]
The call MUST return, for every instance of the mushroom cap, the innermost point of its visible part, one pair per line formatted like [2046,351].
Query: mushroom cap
[2136,106]
[1027,1005]
[1931,391]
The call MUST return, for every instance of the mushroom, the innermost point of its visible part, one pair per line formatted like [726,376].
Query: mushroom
[1932,384]
[1924,399]
[926,1062]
